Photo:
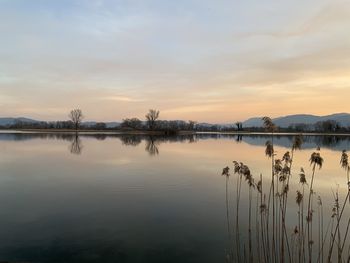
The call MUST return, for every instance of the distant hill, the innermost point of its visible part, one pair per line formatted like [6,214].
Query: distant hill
[12,121]
[284,122]
[8,121]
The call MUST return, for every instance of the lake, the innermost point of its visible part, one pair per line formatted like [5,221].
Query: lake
[124,198]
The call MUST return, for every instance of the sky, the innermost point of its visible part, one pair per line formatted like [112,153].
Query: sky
[215,61]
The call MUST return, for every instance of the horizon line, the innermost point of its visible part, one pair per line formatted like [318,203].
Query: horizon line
[120,121]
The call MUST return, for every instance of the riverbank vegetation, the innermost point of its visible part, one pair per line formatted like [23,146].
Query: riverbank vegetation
[272,234]
[153,122]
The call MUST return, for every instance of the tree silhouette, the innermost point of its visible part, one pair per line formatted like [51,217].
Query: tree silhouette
[76,116]
[133,123]
[192,125]
[152,117]
[239,125]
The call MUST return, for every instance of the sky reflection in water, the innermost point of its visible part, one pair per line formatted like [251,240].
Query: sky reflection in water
[99,198]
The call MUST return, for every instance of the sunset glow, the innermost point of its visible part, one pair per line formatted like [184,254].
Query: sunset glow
[213,61]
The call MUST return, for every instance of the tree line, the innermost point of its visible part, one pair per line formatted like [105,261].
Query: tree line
[76,117]
[152,122]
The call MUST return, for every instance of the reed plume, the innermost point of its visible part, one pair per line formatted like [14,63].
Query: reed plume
[226,173]
[272,243]
[315,161]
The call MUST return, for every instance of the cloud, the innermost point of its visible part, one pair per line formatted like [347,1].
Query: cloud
[121,98]
[190,59]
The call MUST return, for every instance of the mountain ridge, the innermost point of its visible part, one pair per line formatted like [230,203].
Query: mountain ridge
[285,121]
[342,118]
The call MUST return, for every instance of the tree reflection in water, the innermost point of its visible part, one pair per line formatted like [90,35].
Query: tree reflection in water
[153,142]
[132,140]
[152,146]
[76,145]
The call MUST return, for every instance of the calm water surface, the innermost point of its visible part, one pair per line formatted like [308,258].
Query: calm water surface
[134,198]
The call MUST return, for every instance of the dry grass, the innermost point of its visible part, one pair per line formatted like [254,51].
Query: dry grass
[310,240]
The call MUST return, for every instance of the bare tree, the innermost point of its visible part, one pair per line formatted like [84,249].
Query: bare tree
[239,125]
[152,117]
[76,116]
[192,125]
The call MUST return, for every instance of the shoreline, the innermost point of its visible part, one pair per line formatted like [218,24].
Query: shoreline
[162,133]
